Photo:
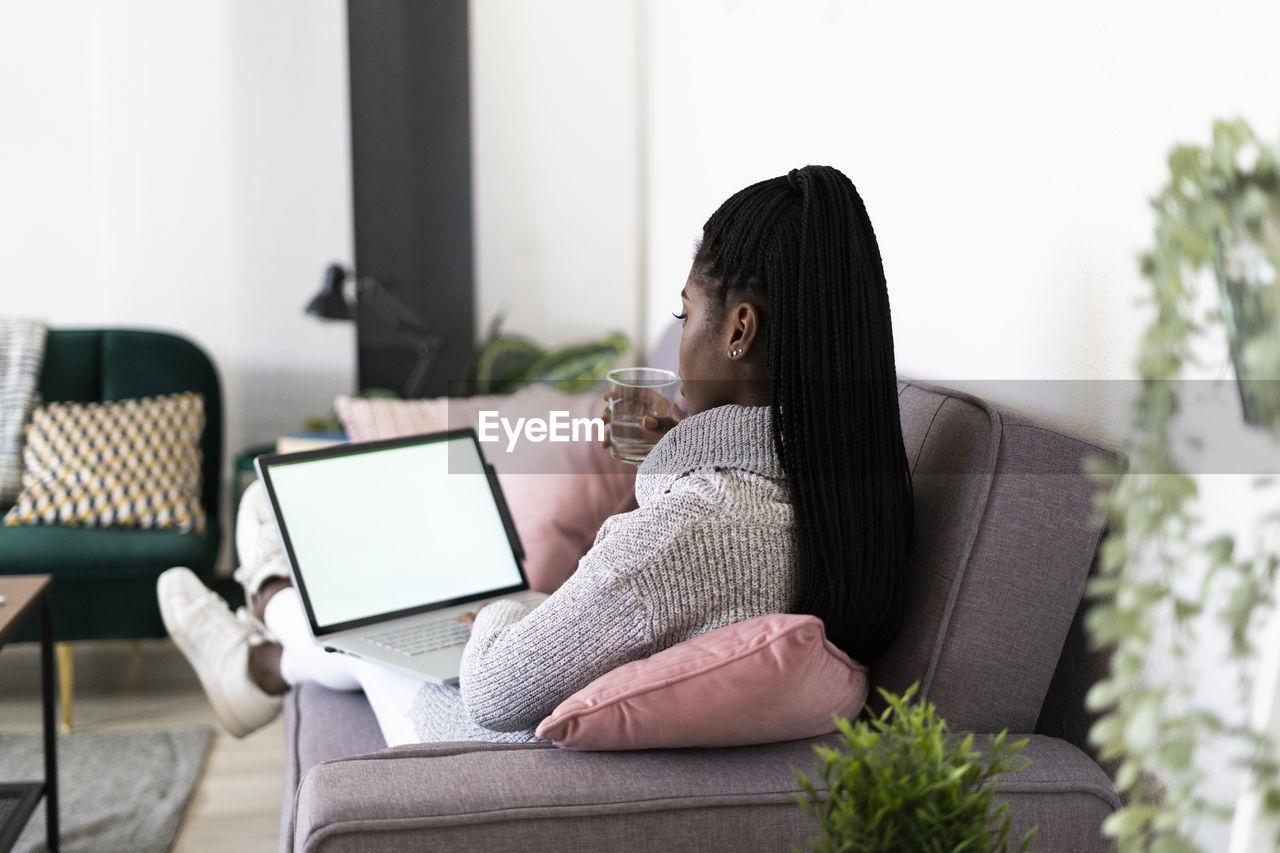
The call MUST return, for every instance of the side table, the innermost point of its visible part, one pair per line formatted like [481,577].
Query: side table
[18,800]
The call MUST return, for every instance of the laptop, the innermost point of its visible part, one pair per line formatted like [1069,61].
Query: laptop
[389,541]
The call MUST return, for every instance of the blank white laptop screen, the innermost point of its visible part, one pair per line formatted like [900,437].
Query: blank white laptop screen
[391,529]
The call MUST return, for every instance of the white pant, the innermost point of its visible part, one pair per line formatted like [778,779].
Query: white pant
[391,694]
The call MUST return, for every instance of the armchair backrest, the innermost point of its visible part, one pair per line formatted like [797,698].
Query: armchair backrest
[1005,535]
[101,365]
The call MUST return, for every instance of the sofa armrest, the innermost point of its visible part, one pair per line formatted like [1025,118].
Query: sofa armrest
[496,797]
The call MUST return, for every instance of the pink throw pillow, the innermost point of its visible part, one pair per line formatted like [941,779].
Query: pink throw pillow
[559,492]
[767,679]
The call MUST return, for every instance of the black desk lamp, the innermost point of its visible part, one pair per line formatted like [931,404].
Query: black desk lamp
[346,297]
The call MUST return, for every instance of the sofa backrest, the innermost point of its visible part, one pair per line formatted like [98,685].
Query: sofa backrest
[1004,537]
[100,365]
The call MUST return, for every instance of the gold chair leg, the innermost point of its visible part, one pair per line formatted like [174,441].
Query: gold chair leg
[66,681]
[133,672]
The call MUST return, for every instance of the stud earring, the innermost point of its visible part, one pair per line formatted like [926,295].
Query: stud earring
[736,352]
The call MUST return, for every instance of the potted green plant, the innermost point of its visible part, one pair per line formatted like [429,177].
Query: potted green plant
[504,362]
[903,781]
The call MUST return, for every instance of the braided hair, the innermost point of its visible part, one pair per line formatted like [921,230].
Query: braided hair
[803,246]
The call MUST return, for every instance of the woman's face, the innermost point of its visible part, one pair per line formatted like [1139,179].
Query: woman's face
[711,331]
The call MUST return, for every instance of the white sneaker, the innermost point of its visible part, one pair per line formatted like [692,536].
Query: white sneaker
[217,644]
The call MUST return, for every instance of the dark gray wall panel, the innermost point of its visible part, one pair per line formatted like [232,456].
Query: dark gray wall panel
[411,171]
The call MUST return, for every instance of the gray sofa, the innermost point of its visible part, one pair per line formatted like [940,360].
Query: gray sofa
[1004,539]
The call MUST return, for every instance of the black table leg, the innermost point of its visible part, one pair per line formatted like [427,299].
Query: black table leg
[50,737]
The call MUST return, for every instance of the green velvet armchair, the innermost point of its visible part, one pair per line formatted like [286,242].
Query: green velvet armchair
[104,578]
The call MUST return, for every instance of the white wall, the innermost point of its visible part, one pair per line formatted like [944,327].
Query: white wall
[183,166]
[291,154]
[555,140]
[115,169]
[1005,151]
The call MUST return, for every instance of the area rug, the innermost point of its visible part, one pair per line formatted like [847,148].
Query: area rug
[119,790]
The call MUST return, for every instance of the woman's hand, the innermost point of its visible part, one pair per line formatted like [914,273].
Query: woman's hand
[469,618]
[657,424]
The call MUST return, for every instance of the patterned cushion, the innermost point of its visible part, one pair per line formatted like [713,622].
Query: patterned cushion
[128,463]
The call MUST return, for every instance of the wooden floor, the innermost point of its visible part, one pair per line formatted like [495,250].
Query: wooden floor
[236,807]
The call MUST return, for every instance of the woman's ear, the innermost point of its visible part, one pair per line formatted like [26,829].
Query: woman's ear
[744,325]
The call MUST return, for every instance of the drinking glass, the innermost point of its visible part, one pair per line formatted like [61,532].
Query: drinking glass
[633,393]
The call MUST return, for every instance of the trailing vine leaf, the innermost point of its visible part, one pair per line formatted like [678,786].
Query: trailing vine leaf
[1218,199]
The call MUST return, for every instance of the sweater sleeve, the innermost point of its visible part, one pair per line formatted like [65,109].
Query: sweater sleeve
[520,664]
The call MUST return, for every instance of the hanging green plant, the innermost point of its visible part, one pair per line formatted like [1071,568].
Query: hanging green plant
[1159,572]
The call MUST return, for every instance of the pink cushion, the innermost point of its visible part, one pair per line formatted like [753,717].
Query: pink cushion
[559,492]
[767,679]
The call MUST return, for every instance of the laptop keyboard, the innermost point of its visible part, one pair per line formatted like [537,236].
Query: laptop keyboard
[423,637]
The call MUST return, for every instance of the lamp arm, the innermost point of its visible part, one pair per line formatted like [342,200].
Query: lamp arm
[389,310]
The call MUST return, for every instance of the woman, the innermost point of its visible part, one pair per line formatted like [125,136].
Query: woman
[785,490]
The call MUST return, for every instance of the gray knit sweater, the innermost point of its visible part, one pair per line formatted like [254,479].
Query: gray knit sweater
[711,544]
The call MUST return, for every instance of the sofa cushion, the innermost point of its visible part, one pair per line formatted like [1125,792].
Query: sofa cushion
[322,725]
[559,493]
[1003,540]
[767,679]
[532,798]
[82,552]
[104,577]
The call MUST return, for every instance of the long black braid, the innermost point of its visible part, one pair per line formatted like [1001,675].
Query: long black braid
[803,245]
